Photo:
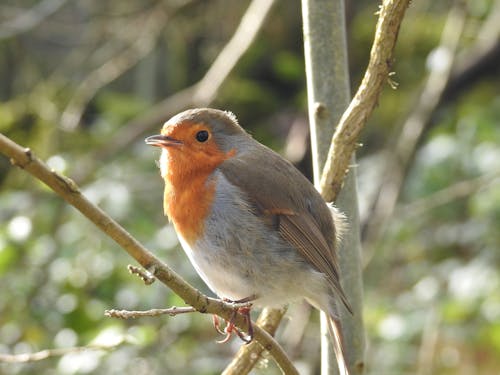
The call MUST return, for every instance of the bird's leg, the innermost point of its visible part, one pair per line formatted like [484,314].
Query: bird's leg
[230,327]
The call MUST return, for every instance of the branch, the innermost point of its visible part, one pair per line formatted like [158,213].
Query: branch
[346,135]
[69,191]
[249,355]
[128,314]
[391,15]
[328,91]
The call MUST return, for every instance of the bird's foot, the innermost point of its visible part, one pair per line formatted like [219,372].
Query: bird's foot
[231,328]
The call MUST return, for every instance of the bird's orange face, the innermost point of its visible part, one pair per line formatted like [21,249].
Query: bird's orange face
[188,147]
[190,154]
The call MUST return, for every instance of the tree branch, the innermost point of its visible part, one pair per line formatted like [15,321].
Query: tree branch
[69,191]
[249,355]
[355,117]
[346,135]
[134,314]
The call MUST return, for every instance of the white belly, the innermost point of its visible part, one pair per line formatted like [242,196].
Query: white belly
[224,282]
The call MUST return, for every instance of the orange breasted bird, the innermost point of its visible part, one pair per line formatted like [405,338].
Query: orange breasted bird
[254,228]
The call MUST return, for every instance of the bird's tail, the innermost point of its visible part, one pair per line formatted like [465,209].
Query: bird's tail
[335,330]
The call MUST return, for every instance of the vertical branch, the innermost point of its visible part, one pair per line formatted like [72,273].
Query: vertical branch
[328,89]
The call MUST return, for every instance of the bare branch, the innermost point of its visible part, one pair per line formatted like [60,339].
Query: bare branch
[249,355]
[390,18]
[69,191]
[145,275]
[346,135]
[128,314]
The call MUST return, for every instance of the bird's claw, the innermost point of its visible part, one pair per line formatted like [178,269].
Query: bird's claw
[231,328]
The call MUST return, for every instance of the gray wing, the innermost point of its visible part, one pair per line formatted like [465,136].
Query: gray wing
[304,220]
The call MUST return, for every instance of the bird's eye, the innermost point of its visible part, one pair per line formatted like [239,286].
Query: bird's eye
[202,136]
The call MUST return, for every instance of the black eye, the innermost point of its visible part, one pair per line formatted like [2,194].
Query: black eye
[202,136]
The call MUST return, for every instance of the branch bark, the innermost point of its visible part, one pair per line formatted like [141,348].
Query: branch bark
[69,191]
[328,90]
[249,355]
[354,119]
[346,135]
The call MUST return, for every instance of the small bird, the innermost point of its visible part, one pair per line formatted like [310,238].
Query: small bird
[254,228]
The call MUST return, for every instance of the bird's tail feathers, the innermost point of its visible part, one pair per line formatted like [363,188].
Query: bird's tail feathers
[335,330]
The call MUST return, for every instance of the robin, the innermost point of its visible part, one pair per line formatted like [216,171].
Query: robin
[254,228]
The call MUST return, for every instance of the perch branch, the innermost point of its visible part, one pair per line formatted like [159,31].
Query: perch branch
[69,191]
[249,355]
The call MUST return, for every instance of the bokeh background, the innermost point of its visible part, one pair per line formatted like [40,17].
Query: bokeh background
[78,80]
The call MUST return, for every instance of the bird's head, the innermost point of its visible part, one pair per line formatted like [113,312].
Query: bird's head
[199,139]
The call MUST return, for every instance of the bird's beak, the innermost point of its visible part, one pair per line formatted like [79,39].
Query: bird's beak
[161,140]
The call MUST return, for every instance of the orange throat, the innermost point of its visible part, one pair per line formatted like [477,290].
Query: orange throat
[187,204]
[190,191]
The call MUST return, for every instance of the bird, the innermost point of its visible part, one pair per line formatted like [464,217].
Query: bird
[253,226]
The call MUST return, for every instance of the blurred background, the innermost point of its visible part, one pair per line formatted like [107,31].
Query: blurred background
[83,82]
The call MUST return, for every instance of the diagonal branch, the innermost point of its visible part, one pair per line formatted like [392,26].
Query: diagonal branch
[346,135]
[249,355]
[69,191]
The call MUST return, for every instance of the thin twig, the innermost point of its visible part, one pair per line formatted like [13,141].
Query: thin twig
[69,191]
[131,314]
[146,276]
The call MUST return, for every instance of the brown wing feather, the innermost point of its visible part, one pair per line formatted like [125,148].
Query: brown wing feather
[309,229]
[301,232]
